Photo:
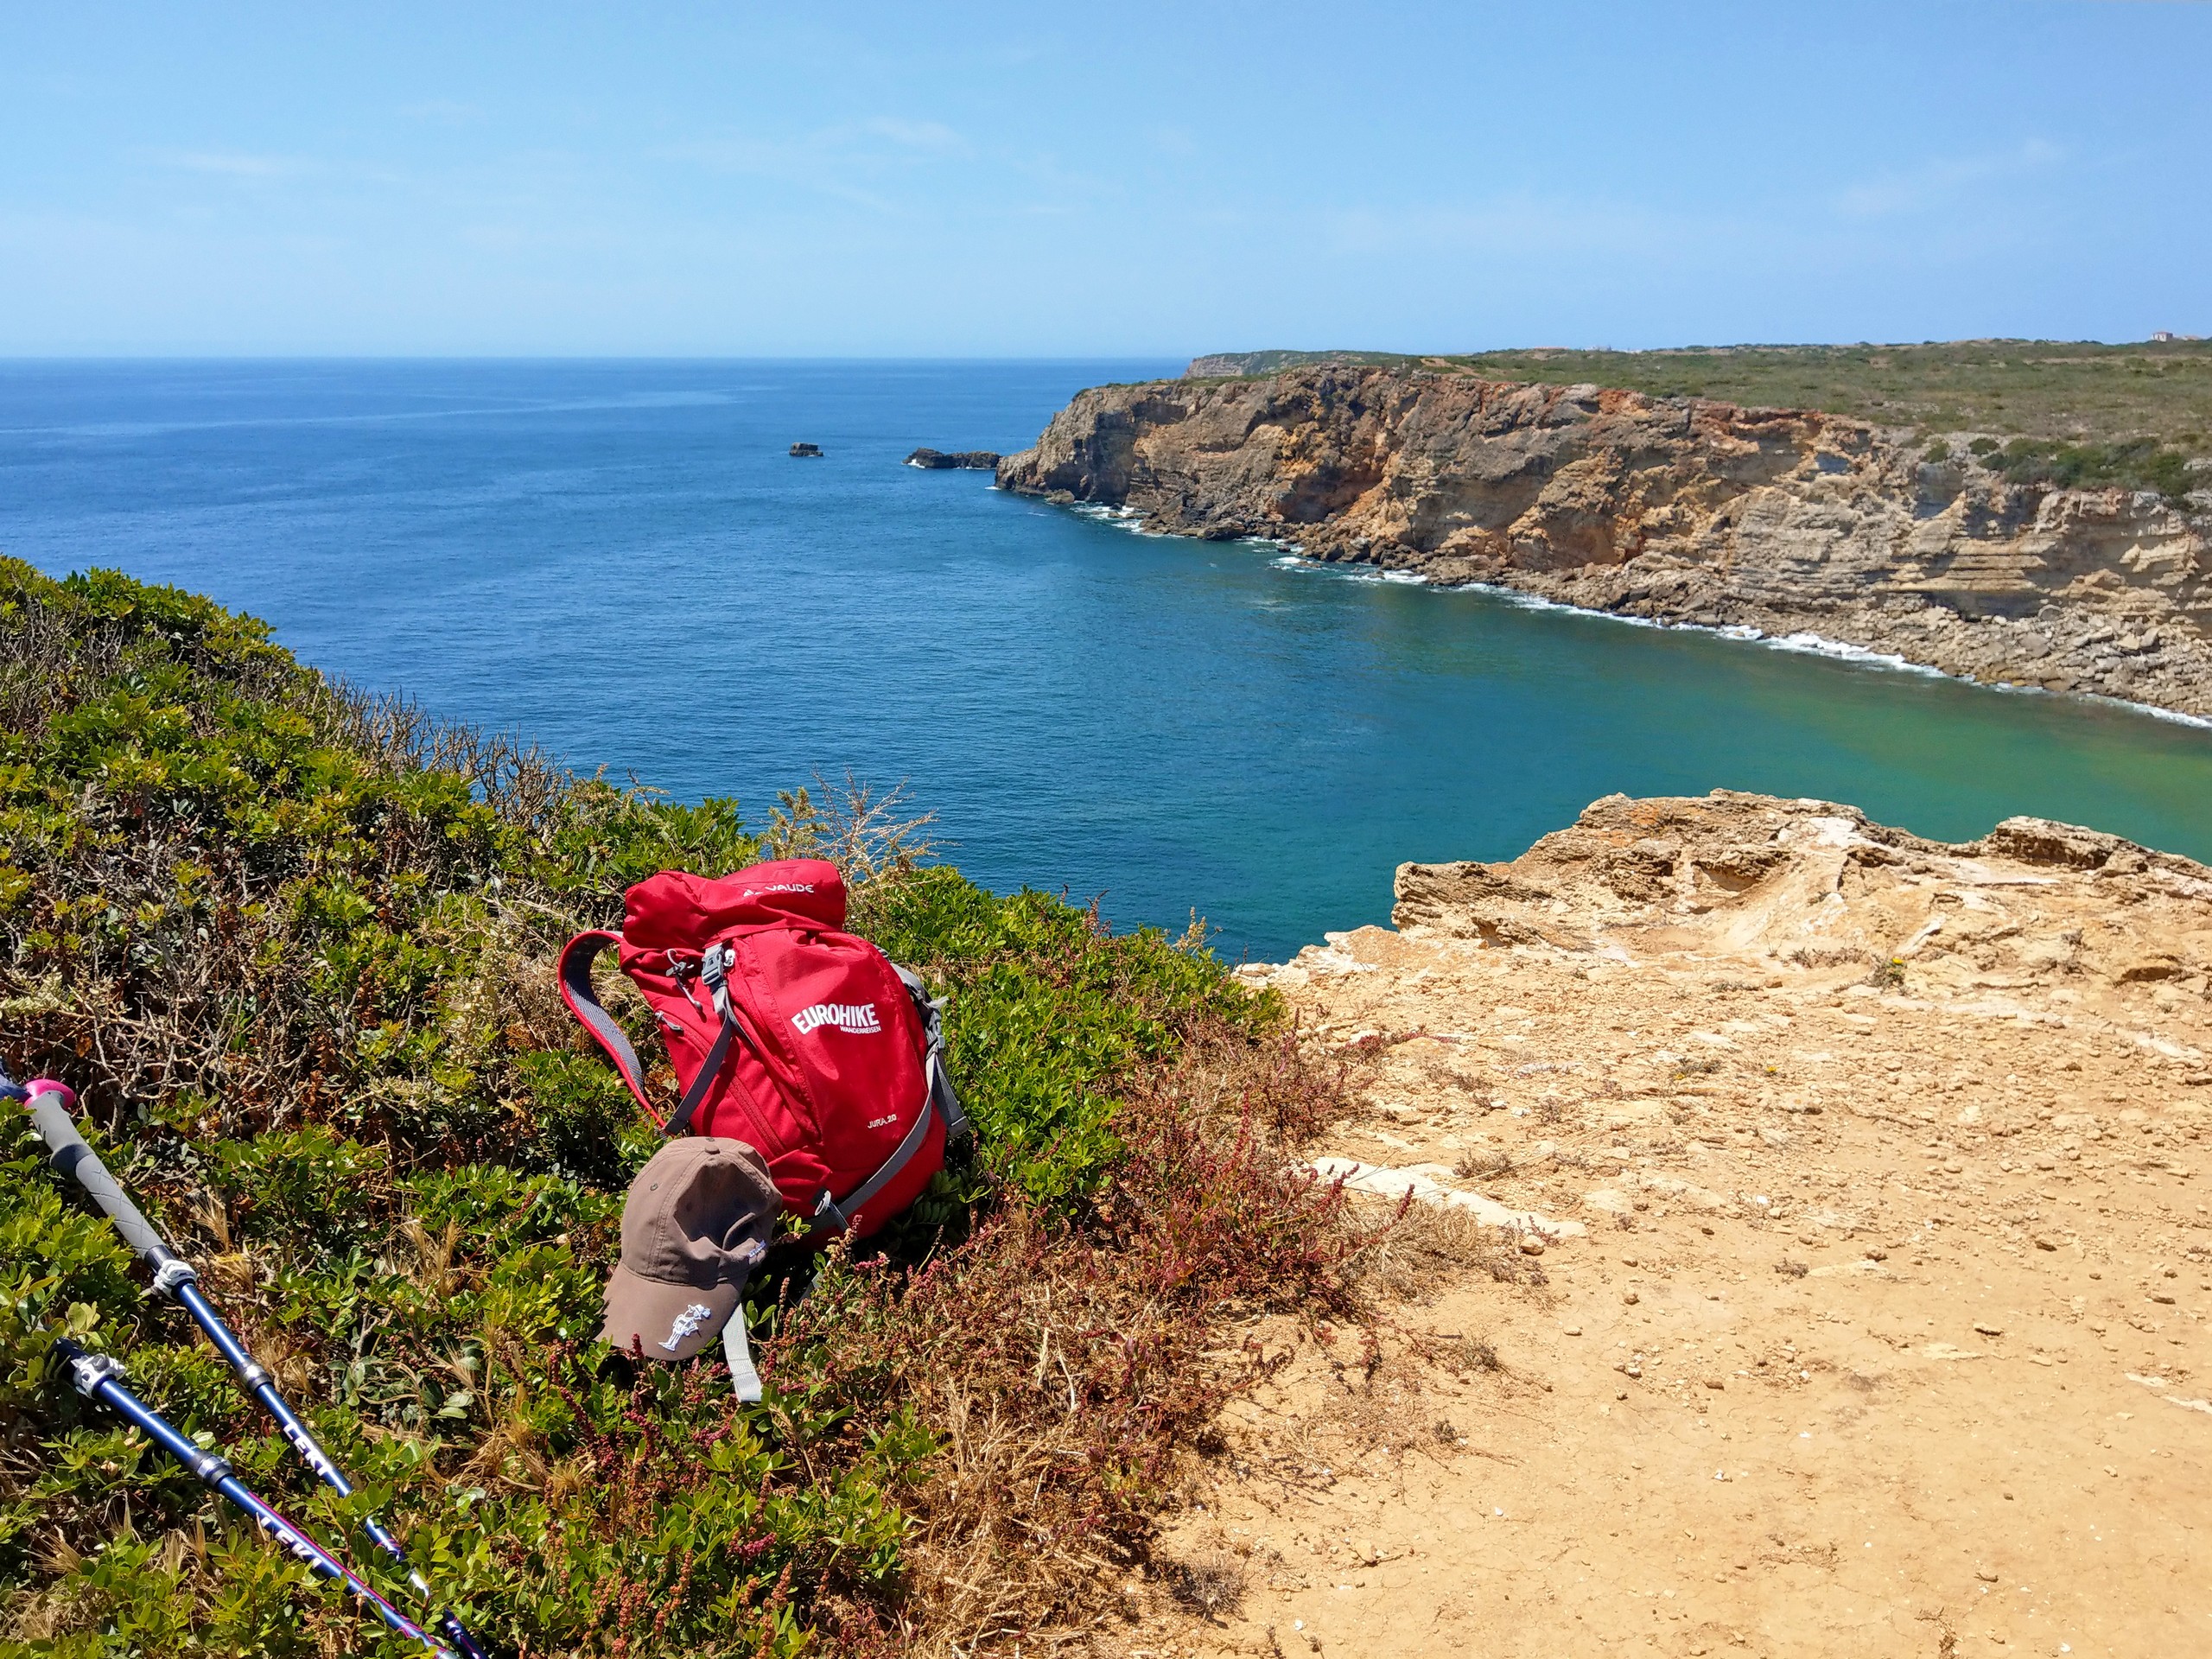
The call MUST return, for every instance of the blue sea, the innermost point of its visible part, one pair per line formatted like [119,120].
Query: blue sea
[621,561]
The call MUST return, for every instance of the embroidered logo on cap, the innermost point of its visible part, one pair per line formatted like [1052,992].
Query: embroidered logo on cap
[846,1016]
[687,1322]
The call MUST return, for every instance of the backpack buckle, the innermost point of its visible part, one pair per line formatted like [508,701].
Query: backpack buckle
[714,972]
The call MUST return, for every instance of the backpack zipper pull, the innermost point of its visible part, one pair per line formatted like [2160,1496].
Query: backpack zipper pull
[682,972]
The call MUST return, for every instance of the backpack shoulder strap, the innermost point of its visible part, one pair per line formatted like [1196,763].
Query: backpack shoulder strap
[576,959]
[932,1011]
[576,990]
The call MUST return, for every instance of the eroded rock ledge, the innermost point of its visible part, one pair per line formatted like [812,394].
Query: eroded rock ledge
[1676,510]
[1817,888]
[1834,1143]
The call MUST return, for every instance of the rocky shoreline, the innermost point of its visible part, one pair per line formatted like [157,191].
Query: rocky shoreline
[1674,509]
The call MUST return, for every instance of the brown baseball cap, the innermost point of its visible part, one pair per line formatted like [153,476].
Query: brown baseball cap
[697,1221]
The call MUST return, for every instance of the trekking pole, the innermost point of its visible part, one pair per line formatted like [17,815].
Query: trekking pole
[95,1376]
[174,1277]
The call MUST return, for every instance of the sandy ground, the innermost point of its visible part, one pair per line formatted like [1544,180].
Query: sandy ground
[1875,1261]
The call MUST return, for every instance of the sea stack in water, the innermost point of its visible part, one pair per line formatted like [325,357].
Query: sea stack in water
[938,460]
[806,451]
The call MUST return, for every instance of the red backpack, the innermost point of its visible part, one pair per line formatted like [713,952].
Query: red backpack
[786,1032]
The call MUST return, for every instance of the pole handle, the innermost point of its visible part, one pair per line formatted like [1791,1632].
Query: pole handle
[66,1151]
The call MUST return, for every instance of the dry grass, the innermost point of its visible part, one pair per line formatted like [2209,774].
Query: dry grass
[1076,1372]
[1210,1583]
[867,833]
[1421,1249]
[515,778]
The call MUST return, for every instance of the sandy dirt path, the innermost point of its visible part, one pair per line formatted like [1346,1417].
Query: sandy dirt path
[1874,1277]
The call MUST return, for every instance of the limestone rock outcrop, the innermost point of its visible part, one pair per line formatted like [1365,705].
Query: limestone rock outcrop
[938,460]
[1674,509]
[1814,888]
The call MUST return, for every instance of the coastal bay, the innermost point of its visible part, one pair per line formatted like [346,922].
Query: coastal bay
[582,552]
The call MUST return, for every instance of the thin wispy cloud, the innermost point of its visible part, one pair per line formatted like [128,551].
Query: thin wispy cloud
[930,138]
[852,161]
[230,163]
[443,112]
[1941,182]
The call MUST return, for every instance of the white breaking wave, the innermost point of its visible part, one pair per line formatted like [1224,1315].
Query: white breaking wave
[1295,560]
[1819,645]
[1805,642]
[2152,709]
[1290,556]
[1126,516]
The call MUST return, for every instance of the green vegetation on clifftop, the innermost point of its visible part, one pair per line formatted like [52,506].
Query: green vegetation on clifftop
[2070,392]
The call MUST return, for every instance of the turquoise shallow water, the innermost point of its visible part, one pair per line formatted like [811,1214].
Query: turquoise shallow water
[621,560]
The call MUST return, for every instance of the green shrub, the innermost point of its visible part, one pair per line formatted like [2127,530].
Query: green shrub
[1046,1006]
[2131,464]
[310,1180]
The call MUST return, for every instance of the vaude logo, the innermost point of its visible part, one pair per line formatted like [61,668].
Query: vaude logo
[846,1016]
[780,886]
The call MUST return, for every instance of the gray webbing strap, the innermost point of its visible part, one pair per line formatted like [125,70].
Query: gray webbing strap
[710,1069]
[946,1102]
[739,1352]
[583,1002]
[835,1216]
[931,1010]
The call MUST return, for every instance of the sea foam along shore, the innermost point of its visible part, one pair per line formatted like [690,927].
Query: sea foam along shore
[1289,555]
[1802,642]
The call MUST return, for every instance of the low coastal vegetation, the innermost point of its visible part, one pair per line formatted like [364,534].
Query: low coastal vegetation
[2077,393]
[2131,464]
[293,945]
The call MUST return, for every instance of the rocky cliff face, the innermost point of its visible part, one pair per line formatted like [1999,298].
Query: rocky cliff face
[1678,509]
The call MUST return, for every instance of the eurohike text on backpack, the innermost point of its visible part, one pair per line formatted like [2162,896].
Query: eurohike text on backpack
[803,1045]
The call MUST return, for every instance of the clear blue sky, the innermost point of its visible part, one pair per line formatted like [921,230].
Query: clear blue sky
[944,179]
